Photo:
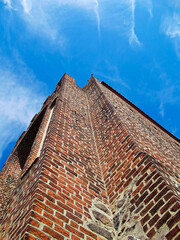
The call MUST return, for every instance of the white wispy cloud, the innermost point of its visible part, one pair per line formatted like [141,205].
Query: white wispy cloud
[20,99]
[7,2]
[96,10]
[168,94]
[148,5]
[45,17]
[122,19]
[172,30]
[171,25]
[120,16]
[27,5]
[88,5]
[133,39]
[131,6]
[164,92]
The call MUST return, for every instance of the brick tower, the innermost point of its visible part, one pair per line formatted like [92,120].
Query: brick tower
[91,165]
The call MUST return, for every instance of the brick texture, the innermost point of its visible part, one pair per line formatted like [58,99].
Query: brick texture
[105,171]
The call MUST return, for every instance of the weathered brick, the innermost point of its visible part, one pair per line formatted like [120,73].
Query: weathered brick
[151,233]
[99,146]
[156,207]
[153,220]
[167,205]
[38,233]
[146,209]
[76,232]
[87,232]
[143,196]
[74,218]
[145,219]
[42,219]
[74,237]
[175,207]
[173,220]
[173,233]
[53,233]
[151,196]
[52,218]
[62,231]
[163,220]
[28,236]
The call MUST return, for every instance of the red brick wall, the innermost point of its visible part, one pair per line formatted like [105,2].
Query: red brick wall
[8,180]
[12,169]
[54,197]
[127,166]
[94,179]
[147,135]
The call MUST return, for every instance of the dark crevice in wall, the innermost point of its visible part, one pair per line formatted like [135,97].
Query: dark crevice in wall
[28,170]
[26,143]
[53,103]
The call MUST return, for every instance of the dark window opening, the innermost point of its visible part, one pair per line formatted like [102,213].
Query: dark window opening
[53,103]
[26,143]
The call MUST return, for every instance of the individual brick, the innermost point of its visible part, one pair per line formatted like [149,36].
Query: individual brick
[174,220]
[74,218]
[38,233]
[167,205]
[153,220]
[151,196]
[87,232]
[156,207]
[76,232]
[163,220]
[173,233]
[151,233]
[142,197]
[53,233]
[62,231]
[145,219]
[175,207]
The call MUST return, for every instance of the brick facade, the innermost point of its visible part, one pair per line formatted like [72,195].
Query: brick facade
[91,165]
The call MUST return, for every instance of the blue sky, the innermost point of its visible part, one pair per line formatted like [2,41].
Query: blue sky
[133,45]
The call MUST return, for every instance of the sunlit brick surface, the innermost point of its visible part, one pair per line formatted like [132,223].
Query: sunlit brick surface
[105,172]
